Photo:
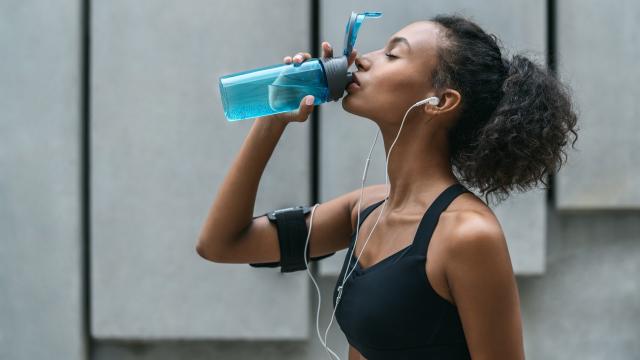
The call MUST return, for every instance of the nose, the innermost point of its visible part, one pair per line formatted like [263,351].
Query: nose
[359,63]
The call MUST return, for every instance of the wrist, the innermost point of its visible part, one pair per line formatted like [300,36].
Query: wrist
[271,123]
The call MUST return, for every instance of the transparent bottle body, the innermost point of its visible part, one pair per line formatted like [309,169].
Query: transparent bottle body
[272,89]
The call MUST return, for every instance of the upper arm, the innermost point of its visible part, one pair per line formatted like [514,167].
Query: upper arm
[330,232]
[483,286]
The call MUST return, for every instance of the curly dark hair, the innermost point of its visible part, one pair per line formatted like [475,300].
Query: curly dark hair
[515,116]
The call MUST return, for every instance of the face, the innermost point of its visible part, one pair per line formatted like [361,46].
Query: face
[393,78]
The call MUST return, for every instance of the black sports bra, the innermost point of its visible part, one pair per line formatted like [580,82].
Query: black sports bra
[390,311]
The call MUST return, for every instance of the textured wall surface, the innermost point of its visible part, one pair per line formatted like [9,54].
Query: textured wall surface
[41,289]
[598,54]
[160,148]
[310,349]
[587,304]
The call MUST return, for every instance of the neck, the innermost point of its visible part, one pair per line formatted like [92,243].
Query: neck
[419,166]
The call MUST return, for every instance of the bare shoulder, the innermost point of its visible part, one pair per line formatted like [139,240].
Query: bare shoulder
[471,226]
[475,243]
[481,281]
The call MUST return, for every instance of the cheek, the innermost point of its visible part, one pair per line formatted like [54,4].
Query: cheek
[386,89]
[392,88]
[405,84]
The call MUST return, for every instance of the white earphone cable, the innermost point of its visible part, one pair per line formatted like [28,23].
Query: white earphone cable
[349,255]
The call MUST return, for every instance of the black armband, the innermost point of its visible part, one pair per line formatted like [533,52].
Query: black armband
[292,236]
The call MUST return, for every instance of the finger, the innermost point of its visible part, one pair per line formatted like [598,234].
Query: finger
[287,59]
[299,57]
[353,56]
[309,99]
[327,50]
[305,108]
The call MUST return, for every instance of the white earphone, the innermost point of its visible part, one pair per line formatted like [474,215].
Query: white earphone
[431,101]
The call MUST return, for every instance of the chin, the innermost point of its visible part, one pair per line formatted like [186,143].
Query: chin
[350,105]
[355,106]
[346,103]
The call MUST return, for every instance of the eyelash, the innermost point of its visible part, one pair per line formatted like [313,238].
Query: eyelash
[391,56]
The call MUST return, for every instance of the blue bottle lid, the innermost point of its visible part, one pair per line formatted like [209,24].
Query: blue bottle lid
[353,26]
[336,68]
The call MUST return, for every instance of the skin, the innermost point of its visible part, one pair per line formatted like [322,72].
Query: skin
[468,262]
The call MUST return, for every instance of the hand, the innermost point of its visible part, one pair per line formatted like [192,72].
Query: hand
[306,104]
[327,51]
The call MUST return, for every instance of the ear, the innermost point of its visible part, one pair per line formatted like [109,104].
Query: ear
[449,103]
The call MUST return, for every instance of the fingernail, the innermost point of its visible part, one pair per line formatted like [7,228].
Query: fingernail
[309,100]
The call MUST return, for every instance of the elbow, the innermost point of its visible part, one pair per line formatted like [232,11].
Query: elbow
[201,250]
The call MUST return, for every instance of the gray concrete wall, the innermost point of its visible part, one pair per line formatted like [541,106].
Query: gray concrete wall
[598,55]
[161,146]
[41,288]
[200,349]
[587,304]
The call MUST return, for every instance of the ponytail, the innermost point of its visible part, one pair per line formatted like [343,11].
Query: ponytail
[516,117]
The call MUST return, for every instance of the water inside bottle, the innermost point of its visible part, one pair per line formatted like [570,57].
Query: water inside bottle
[275,93]
[288,97]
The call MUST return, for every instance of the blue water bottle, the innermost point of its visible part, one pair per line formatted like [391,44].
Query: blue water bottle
[280,88]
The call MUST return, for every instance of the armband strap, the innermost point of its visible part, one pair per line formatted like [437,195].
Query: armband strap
[292,236]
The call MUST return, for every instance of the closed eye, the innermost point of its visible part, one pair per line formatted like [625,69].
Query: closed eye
[389,55]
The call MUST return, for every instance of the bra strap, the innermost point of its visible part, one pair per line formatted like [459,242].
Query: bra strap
[364,213]
[432,215]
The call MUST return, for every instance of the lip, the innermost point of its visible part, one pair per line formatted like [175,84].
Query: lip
[352,87]
[354,77]
[354,84]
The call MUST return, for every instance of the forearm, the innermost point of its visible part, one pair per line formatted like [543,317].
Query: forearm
[233,206]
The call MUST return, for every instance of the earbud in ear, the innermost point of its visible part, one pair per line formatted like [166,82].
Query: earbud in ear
[431,101]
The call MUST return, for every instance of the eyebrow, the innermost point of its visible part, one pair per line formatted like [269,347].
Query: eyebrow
[399,39]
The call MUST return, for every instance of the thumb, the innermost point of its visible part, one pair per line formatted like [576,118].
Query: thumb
[305,108]
[352,57]
[308,100]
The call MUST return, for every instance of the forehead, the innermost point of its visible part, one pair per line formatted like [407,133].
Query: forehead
[423,38]
[422,35]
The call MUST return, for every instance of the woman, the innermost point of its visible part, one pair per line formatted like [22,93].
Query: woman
[497,125]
